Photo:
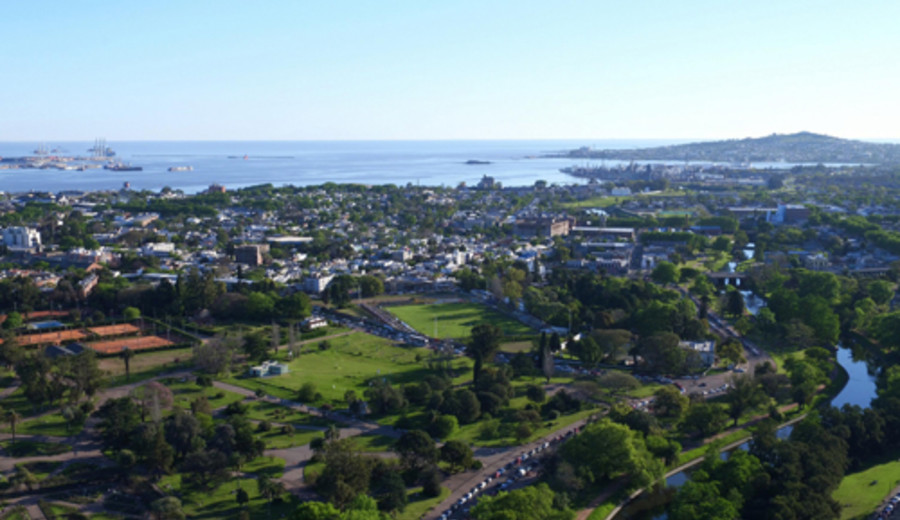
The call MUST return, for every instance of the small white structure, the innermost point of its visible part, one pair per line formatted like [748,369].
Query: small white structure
[269,368]
[706,349]
[314,322]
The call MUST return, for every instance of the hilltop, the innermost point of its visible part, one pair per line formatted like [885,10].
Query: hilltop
[802,147]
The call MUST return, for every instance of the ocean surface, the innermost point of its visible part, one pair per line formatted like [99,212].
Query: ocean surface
[236,164]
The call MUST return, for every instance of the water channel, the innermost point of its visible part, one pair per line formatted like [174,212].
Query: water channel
[859,390]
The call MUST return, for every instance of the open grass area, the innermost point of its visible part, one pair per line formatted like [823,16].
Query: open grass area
[455,320]
[861,492]
[275,439]
[40,469]
[603,510]
[29,448]
[471,433]
[350,363]
[145,365]
[515,347]
[373,443]
[419,504]
[221,502]
[186,392]
[52,424]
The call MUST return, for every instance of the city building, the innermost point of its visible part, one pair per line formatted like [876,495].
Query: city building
[22,239]
[251,255]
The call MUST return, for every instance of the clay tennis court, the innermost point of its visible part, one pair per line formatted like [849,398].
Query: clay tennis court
[114,330]
[59,336]
[116,346]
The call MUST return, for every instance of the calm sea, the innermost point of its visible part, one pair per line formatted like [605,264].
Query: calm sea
[302,163]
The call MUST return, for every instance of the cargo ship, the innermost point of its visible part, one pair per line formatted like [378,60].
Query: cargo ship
[181,168]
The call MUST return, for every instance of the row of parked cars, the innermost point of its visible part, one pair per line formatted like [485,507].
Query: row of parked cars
[525,465]
[888,511]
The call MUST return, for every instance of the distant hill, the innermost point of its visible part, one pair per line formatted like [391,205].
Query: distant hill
[802,147]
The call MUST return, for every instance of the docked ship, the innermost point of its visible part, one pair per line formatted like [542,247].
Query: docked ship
[181,168]
[100,149]
[122,167]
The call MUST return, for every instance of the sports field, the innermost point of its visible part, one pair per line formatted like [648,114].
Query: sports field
[349,364]
[455,320]
[116,345]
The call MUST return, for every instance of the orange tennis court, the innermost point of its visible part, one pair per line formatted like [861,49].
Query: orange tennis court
[59,336]
[116,346]
[114,330]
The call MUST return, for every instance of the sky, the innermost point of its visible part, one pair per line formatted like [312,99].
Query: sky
[392,70]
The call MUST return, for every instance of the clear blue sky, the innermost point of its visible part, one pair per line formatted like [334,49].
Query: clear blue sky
[174,70]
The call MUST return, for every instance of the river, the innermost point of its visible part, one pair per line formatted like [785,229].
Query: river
[859,390]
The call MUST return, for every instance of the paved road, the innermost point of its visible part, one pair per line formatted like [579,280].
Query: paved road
[492,459]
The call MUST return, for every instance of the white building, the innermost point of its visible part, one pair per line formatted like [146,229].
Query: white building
[317,283]
[22,238]
[706,349]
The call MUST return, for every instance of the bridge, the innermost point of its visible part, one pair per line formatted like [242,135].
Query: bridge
[721,279]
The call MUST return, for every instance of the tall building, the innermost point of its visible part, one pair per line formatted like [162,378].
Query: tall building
[22,239]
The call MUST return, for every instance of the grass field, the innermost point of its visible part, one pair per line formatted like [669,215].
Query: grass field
[144,365]
[29,448]
[455,320]
[419,505]
[860,493]
[349,364]
[221,502]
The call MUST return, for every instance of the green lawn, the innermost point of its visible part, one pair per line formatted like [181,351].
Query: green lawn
[860,493]
[28,448]
[373,443]
[350,363]
[597,202]
[419,505]
[185,393]
[455,320]
[470,433]
[221,502]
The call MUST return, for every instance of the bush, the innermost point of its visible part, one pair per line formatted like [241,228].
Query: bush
[264,426]
[307,392]
[204,381]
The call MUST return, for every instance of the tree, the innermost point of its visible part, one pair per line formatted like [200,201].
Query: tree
[13,321]
[255,346]
[242,497]
[529,503]
[443,426]
[661,353]
[167,508]
[458,454]
[536,394]
[126,356]
[745,393]
[483,344]
[153,398]
[731,351]
[665,273]
[734,303]
[705,418]
[616,382]
[605,450]
[119,419]
[416,449]
[702,500]
[670,402]
[131,313]
[214,355]
[13,419]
